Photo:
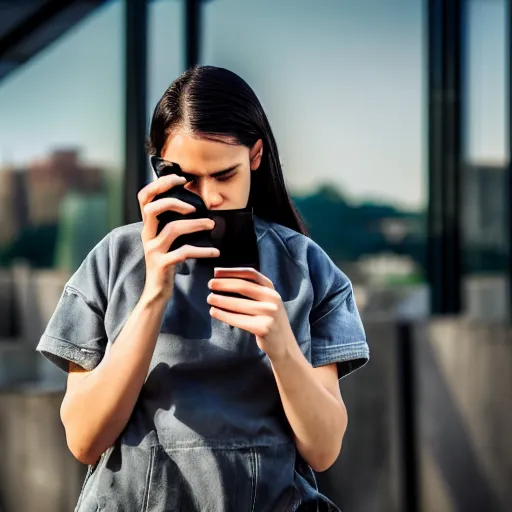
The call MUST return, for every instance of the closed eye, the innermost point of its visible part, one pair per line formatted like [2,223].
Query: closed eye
[225,174]
[225,177]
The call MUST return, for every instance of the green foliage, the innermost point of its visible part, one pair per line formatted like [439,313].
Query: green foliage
[34,244]
[347,231]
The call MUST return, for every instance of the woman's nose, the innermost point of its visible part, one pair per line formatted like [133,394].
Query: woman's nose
[210,195]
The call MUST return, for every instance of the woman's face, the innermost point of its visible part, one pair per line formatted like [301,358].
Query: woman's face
[222,171]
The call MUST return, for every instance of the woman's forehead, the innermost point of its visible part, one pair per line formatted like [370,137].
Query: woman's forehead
[202,156]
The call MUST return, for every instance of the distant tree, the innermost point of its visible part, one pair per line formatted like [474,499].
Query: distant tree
[348,231]
[34,244]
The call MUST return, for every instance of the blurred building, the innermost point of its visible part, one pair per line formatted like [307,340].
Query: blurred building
[8,225]
[50,179]
[33,195]
[485,196]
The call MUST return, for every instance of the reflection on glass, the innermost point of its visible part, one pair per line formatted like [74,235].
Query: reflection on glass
[343,86]
[166,50]
[61,170]
[485,108]
[484,180]
[56,210]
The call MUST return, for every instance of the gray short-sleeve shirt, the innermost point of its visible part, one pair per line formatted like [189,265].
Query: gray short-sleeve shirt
[208,431]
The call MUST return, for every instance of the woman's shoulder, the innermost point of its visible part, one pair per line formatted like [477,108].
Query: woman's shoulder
[120,246]
[120,236]
[301,247]
[291,239]
[127,233]
[302,250]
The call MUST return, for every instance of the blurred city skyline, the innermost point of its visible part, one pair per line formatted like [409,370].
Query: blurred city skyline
[370,143]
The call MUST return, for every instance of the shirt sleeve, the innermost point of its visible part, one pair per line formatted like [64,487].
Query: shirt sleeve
[76,330]
[337,332]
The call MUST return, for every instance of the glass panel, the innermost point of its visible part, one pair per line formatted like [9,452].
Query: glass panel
[166,50]
[61,155]
[343,85]
[486,156]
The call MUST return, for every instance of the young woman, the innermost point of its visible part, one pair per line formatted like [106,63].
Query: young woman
[206,402]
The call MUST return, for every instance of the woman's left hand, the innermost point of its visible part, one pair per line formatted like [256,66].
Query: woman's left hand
[262,313]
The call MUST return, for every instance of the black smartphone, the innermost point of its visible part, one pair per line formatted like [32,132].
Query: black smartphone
[234,233]
[162,168]
[235,237]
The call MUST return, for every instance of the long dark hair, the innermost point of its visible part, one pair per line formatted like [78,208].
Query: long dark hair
[217,104]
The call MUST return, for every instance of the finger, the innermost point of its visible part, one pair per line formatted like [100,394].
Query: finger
[168,204]
[243,306]
[244,273]
[243,287]
[163,184]
[256,325]
[178,228]
[191,252]
[155,208]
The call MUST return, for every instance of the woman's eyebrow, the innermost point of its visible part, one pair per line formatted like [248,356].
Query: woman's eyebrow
[216,174]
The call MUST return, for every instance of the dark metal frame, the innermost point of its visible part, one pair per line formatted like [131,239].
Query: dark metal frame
[509,125]
[35,21]
[444,141]
[135,106]
[192,32]
[407,414]
[41,17]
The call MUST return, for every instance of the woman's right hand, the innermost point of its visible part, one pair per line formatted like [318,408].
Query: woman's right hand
[160,264]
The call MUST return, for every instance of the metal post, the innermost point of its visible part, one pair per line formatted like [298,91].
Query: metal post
[192,32]
[135,106]
[407,413]
[444,139]
[509,125]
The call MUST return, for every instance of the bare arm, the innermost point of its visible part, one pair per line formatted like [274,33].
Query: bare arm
[98,404]
[313,405]
[310,396]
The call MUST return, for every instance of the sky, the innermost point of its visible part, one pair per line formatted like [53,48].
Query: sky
[342,82]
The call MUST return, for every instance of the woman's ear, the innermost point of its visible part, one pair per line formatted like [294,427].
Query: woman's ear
[256,154]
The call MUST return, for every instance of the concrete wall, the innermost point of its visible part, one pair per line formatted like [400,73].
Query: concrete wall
[367,475]
[27,300]
[464,416]
[37,472]
[18,363]
[462,408]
